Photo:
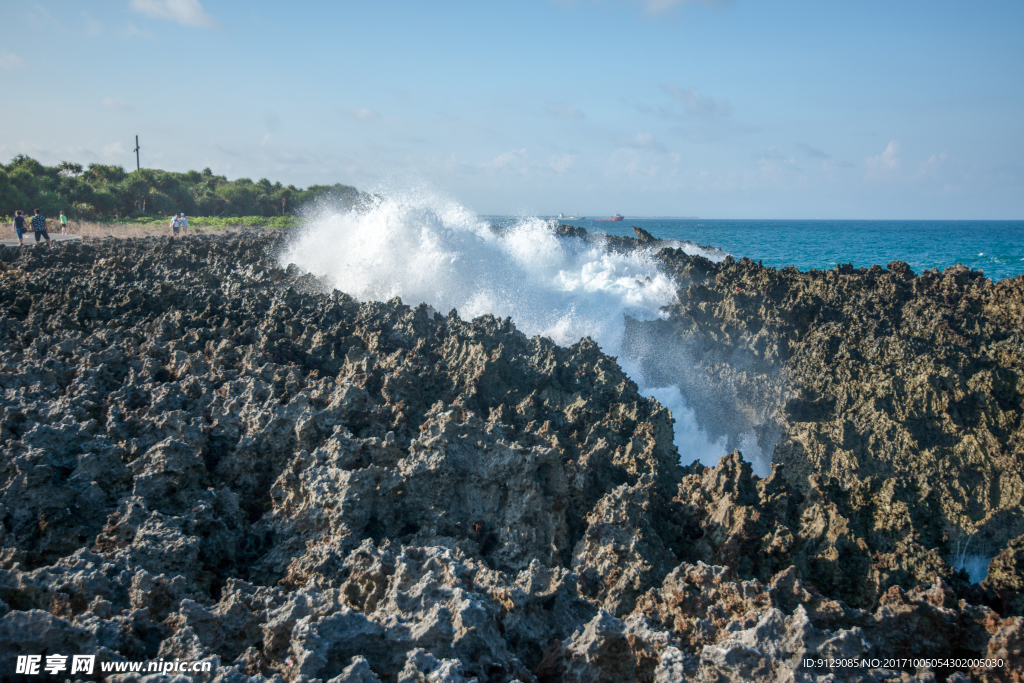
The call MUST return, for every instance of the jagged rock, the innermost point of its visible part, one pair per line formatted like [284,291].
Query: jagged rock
[902,389]
[607,649]
[774,649]
[1007,647]
[620,552]
[1006,577]
[208,456]
[358,671]
[702,604]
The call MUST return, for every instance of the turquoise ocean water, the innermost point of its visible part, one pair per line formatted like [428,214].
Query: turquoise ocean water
[994,247]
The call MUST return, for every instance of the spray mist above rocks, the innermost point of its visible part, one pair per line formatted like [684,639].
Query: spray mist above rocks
[422,248]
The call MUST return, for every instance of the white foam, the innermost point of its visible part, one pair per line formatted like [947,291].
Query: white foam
[975,564]
[714,254]
[426,249]
[760,464]
[976,567]
[691,441]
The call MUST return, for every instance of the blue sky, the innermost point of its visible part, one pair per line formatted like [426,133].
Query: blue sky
[736,109]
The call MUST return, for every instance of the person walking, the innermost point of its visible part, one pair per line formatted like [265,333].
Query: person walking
[19,227]
[175,224]
[63,223]
[184,224]
[39,228]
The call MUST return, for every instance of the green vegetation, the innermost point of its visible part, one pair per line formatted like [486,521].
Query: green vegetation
[100,192]
[209,222]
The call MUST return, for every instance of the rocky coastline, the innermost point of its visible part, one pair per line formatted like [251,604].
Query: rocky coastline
[206,456]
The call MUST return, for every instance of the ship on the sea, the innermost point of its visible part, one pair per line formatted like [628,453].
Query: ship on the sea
[616,217]
[569,218]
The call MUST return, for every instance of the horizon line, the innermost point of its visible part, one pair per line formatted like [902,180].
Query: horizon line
[701,218]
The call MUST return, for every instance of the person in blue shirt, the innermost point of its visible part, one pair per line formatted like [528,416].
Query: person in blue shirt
[19,227]
[39,228]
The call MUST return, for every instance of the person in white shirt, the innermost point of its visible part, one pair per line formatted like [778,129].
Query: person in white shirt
[175,224]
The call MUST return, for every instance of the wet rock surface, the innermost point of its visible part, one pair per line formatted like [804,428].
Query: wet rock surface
[208,457]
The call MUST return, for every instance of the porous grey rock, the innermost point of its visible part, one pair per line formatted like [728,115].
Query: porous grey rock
[900,392]
[207,456]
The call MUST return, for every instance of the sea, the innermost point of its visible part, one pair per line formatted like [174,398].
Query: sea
[995,248]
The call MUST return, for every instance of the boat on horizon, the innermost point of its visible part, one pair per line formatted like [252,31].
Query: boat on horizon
[569,218]
[616,217]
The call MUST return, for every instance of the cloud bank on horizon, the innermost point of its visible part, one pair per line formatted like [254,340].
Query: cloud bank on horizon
[715,108]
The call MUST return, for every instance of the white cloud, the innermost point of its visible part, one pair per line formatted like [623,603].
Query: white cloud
[644,141]
[93,28]
[652,7]
[114,103]
[186,12]
[561,163]
[363,114]
[133,31]
[626,160]
[80,153]
[933,166]
[886,162]
[41,19]
[503,161]
[266,140]
[772,161]
[10,62]
[696,104]
[772,154]
[563,110]
[114,149]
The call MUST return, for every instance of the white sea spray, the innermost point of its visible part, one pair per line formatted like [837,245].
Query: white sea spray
[975,564]
[424,248]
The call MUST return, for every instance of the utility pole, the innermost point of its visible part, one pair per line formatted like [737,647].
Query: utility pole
[137,166]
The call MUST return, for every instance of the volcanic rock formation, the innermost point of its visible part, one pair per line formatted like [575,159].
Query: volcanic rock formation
[206,457]
[904,393]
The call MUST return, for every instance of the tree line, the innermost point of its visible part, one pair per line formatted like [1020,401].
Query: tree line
[99,191]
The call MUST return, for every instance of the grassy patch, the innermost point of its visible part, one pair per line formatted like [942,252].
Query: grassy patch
[207,222]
